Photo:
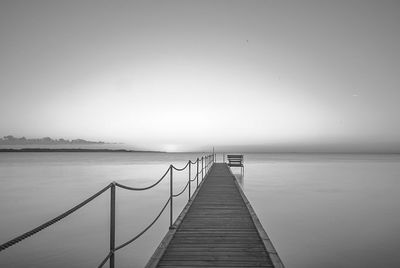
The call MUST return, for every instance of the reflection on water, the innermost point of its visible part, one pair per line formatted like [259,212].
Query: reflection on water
[319,210]
[240,178]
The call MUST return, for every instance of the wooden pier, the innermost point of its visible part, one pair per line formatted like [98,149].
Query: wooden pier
[217,228]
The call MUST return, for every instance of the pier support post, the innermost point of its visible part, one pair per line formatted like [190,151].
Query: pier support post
[112,225]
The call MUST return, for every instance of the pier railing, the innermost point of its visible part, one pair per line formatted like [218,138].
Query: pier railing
[205,162]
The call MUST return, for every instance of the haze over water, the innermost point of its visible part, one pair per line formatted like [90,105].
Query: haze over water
[320,210]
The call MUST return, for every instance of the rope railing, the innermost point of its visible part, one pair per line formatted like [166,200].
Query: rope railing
[52,221]
[145,229]
[195,177]
[183,190]
[206,162]
[181,169]
[143,188]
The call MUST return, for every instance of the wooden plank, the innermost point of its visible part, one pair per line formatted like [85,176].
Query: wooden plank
[217,228]
[214,263]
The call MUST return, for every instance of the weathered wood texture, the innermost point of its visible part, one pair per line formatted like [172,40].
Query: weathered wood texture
[217,229]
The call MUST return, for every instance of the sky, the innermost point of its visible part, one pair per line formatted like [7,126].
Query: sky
[187,75]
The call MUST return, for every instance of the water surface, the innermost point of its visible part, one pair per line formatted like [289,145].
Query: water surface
[319,210]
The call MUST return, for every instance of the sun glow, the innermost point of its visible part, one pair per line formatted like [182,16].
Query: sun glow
[170,107]
[170,148]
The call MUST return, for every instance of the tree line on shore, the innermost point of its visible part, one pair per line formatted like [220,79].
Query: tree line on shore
[11,140]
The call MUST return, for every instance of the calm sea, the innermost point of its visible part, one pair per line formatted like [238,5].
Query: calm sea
[319,210]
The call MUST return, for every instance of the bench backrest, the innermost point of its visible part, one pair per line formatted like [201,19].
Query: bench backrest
[235,159]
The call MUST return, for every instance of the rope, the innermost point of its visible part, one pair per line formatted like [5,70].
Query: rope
[148,227]
[181,192]
[51,222]
[162,177]
[144,188]
[180,169]
[208,163]
[195,177]
[194,162]
[105,260]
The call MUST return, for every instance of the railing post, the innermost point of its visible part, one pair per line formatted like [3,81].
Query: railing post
[189,177]
[197,172]
[112,225]
[202,167]
[205,165]
[208,164]
[170,196]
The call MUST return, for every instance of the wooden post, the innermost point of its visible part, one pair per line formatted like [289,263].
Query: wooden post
[205,164]
[213,155]
[197,172]
[171,197]
[112,225]
[190,170]
[202,168]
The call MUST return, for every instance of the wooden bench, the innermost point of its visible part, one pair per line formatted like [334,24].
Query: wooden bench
[235,160]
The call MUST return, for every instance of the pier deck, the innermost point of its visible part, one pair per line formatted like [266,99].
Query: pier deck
[218,228]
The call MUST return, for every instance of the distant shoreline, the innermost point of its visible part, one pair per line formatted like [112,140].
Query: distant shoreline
[72,150]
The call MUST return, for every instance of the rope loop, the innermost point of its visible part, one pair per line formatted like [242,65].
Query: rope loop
[181,169]
[143,188]
[145,229]
[181,192]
